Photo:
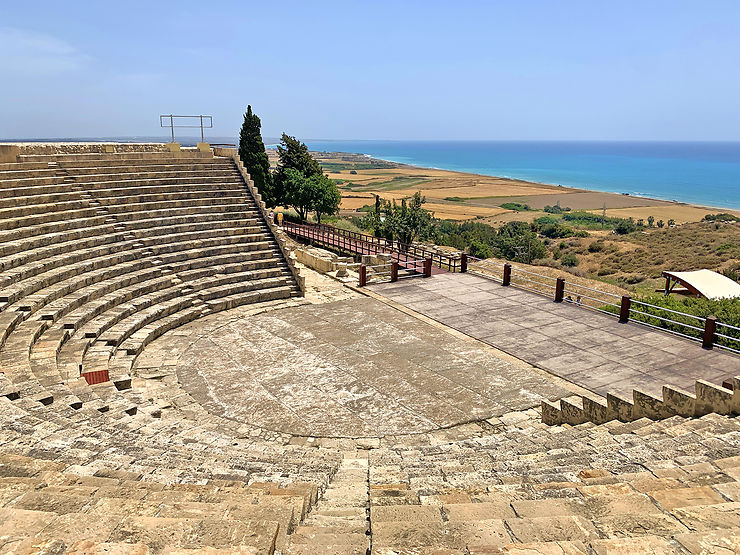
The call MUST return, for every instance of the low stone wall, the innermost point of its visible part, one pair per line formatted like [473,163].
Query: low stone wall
[707,398]
[280,236]
[87,148]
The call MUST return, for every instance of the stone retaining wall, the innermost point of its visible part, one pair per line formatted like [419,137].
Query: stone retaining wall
[87,148]
[707,398]
[280,236]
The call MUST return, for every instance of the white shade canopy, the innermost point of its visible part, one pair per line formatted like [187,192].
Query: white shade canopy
[706,283]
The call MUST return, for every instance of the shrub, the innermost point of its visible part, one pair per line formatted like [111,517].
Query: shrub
[596,247]
[545,220]
[569,260]
[555,231]
[726,311]
[518,206]
[721,217]
[353,172]
[480,249]
[627,226]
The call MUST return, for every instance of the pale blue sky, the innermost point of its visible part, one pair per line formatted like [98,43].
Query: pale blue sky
[499,69]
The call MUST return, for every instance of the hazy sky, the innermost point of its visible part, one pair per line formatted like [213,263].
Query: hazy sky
[497,69]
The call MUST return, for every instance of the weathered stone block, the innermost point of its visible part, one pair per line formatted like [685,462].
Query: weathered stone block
[712,398]
[572,412]
[680,402]
[620,406]
[649,406]
[597,410]
[551,413]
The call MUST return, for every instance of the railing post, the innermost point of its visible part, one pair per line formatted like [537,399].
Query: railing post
[463,263]
[710,327]
[624,310]
[559,290]
[427,267]
[363,275]
[507,275]
[394,271]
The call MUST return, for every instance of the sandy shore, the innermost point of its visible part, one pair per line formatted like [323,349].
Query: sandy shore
[460,195]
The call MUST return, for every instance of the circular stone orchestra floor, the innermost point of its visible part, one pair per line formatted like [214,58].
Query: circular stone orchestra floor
[351,368]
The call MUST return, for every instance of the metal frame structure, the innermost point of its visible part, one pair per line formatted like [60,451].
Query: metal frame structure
[206,122]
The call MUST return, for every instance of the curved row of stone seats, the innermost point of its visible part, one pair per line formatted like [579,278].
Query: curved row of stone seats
[148,480]
[102,253]
[521,486]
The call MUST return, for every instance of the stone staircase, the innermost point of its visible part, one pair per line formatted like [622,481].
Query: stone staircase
[642,487]
[101,253]
[707,397]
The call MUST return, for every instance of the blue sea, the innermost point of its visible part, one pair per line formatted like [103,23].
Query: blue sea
[705,173]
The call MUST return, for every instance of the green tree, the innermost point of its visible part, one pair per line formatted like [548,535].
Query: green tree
[292,155]
[625,226]
[660,223]
[253,156]
[569,259]
[479,249]
[651,221]
[516,241]
[308,194]
[407,221]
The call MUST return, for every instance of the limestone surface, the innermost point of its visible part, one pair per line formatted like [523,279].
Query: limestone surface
[352,368]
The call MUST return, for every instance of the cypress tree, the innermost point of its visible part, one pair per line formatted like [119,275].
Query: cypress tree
[253,156]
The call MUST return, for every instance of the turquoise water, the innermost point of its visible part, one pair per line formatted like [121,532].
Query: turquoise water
[703,173]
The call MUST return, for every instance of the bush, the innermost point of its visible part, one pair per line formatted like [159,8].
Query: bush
[353,172]
[628,226]
[556,231]
[480,249]
[545,220]
[721,217]
[518,206]
[596,247]
[569,260]
[556,209]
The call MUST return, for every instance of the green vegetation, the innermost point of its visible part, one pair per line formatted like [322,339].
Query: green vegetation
[721,217]
[404,222]
[726,311]
[517,206]
[455,199]
[556,209]
[569,259]
[314,193]
[354,166]
[253,156]
[588,220]
[300,182]
[516,241]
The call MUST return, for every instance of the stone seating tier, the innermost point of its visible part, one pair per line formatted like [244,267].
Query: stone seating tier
[101,253]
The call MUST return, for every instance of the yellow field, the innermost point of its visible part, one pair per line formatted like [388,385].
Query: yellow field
[682,213]
[480,196]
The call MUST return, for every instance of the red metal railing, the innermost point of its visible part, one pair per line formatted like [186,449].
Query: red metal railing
[361,243]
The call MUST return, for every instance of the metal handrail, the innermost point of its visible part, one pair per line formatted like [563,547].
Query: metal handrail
[206,122]
[668,310]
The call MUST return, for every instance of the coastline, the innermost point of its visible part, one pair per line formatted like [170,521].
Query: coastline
[460,195]
[548,184]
